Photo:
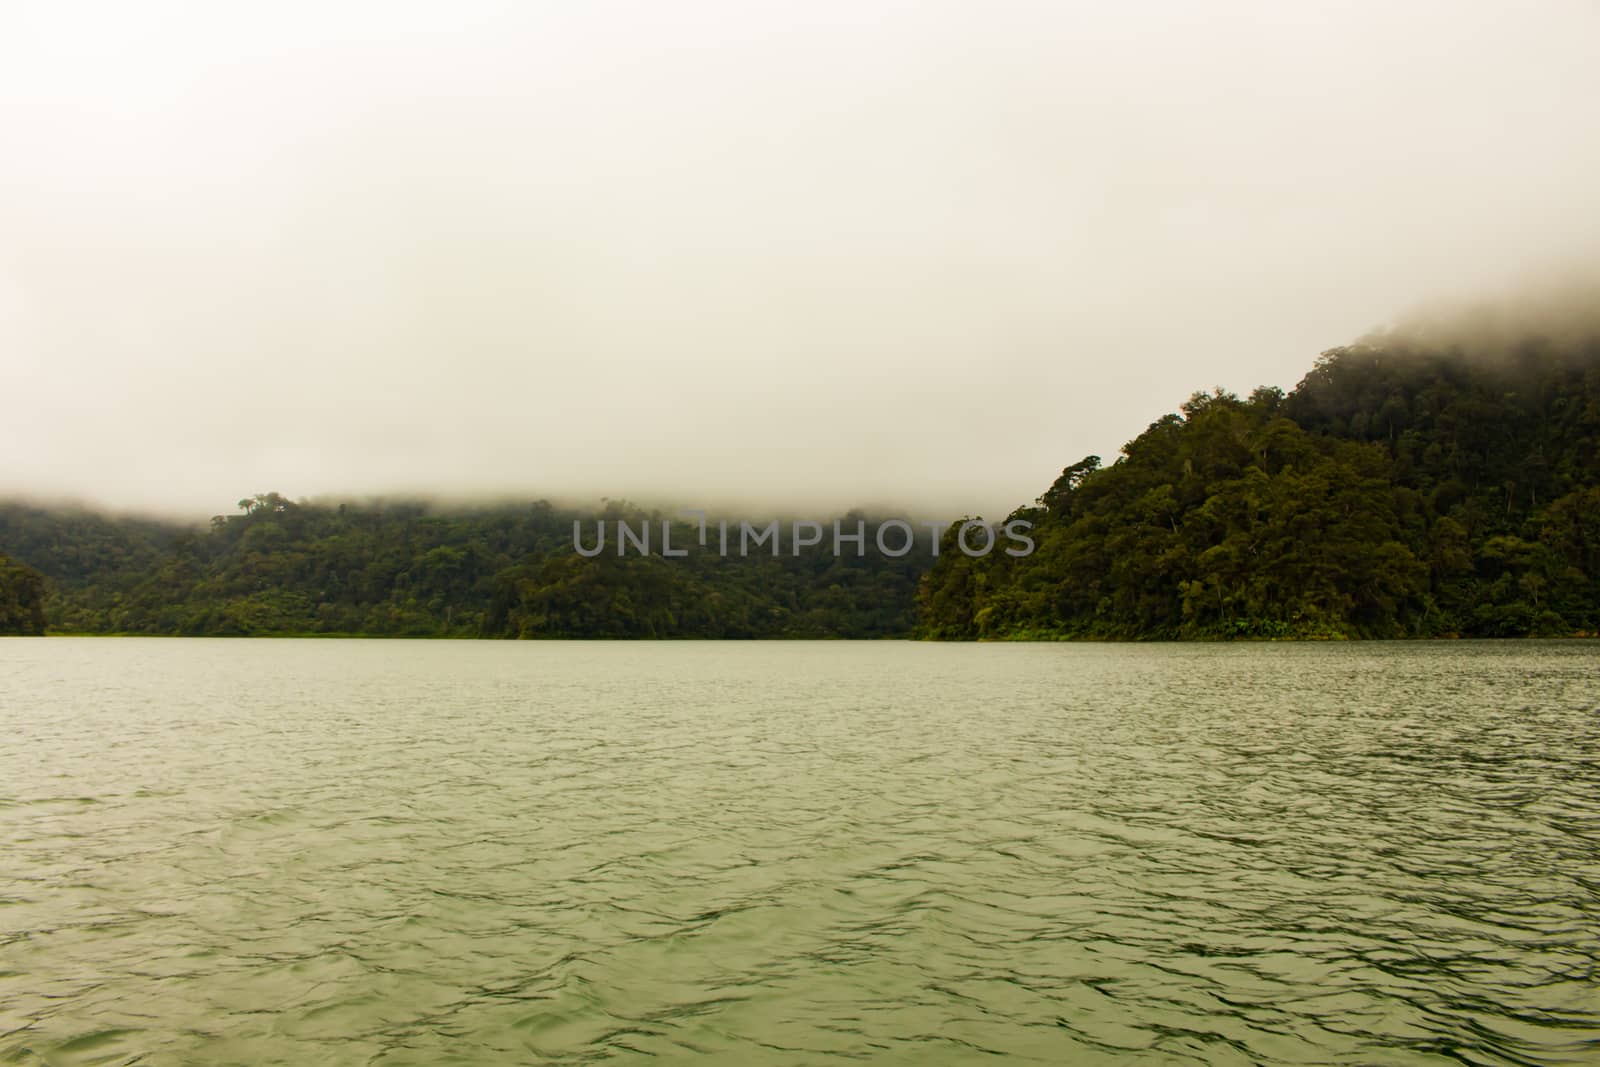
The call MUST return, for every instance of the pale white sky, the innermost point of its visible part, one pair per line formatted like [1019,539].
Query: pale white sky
[795,254]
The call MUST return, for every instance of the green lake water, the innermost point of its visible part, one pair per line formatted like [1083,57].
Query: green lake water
[391,852]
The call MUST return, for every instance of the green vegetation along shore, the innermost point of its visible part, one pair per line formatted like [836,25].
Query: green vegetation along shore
[21,598]
[1415,484]
[280,567]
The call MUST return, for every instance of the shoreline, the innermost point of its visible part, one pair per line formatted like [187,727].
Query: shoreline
[1579,635]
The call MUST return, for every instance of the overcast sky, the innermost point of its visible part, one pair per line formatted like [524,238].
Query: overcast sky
[798,254]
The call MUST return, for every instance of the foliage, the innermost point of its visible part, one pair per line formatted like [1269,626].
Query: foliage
[1399,490]
[21,598]
[287,567]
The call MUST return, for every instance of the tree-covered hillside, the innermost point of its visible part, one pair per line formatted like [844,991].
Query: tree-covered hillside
[282,567]
[1409,486]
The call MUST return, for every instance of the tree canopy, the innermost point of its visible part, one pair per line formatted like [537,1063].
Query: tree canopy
[21,598]
[280,566]
[1401,490]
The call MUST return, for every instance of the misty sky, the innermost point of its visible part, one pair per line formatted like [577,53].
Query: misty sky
[795,255]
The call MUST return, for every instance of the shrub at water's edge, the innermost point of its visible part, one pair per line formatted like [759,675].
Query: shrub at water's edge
[21,598]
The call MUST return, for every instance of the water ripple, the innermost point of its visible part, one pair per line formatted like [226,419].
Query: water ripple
[293,852]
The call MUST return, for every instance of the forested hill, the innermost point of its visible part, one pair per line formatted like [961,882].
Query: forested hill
[1416,484]
[279,566]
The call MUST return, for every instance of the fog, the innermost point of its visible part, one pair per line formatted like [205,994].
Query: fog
[798,256]
[1556,309]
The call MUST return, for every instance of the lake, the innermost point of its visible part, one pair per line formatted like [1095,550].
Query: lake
[409,852]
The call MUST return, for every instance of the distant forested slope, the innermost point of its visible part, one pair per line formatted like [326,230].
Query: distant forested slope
[285,567]
[1420,483]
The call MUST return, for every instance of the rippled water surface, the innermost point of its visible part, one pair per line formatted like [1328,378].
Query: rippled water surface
[328,852]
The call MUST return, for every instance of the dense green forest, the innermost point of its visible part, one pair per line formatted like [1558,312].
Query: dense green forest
[1415,484]
[283,567]
[1410,486]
